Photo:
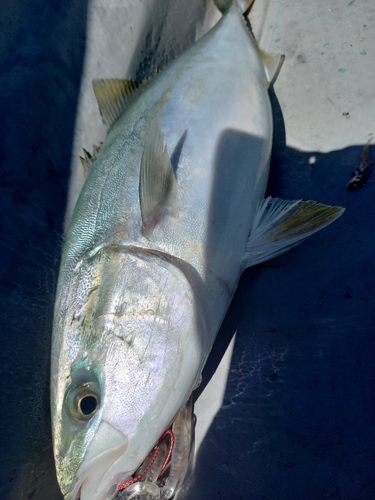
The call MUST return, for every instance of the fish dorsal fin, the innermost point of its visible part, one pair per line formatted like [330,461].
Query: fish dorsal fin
[87,159]
[114,96]
[279,225]
[157,180]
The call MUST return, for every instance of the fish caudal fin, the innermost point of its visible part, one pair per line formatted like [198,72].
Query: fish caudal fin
[114,96]
[280,225]
[157,180]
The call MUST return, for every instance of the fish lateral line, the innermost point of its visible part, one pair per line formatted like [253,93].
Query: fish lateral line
[189,272]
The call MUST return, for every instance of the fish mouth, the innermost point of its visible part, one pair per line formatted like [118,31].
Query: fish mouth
[101,470]
[97,488]
[101,475]
[149,491]
[94,488]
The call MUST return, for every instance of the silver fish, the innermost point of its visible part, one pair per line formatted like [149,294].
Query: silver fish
[171,213]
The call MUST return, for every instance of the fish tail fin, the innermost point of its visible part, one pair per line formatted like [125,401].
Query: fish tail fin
[280,225]
[244,5]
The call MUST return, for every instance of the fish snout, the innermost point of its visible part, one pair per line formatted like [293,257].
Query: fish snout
[101,470]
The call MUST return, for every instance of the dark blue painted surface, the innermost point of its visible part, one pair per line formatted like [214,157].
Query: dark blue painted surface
[41,58]
[298,416]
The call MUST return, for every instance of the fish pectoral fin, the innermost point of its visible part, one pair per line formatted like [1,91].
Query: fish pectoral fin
[114,96]
[280,225]
[157,180]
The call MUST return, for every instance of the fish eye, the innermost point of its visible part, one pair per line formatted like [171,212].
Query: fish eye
[83,401]
[88,404]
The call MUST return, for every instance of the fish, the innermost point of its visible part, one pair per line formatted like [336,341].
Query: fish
[361,174]
[171,213]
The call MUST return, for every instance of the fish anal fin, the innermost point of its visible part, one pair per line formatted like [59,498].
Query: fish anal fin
[157,180]
[243,5]
[280,225]
[114,96]
[272,65]
[246,7]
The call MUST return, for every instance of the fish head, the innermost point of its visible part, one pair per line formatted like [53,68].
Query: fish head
[127,351]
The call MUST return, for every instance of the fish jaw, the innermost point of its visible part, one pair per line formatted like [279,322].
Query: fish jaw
[106,448]
[131,333]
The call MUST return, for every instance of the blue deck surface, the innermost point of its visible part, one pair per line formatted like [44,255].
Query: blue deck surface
[41,54]
[298,415]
